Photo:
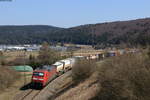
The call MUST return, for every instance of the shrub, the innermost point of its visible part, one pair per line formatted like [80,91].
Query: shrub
[125,77]
[7,77]
[82,70]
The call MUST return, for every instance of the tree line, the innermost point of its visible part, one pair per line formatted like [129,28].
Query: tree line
[135,32]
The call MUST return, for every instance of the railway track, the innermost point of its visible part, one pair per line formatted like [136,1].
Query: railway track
[61,90]
[31,94]
[27,95]
[56,87]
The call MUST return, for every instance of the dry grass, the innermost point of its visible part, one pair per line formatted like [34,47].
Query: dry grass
[83,91]
[86,86]
[12,55]
[12,58]
[10,92]
[125,77]
[7,77]
[82,70]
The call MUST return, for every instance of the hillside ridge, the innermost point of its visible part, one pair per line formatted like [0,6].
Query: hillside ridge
[132,32]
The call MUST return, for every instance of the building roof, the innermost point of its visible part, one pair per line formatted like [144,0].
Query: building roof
[23,68]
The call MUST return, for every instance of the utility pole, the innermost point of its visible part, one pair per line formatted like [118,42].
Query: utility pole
[24,67]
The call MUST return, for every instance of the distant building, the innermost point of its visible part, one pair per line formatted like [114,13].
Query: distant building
[19,47]
[58,48]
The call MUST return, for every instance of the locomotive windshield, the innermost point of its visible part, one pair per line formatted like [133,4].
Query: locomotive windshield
[38,74]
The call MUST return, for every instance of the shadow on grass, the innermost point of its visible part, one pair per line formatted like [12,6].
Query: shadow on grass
[30,86]
[26,87]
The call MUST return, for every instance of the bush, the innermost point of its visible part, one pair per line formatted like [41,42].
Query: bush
[82,70]
[125,77]
[7,77]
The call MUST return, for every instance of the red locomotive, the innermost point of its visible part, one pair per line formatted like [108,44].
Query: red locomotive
[42,76]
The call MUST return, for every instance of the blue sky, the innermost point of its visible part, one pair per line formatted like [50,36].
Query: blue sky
[69,13]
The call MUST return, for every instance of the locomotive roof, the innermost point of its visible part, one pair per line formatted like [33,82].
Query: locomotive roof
[22,68]
[40,71]
[45,67]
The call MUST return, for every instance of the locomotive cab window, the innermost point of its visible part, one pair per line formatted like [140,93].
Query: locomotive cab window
[38,74]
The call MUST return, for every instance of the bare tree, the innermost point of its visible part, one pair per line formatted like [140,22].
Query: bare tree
[47,56]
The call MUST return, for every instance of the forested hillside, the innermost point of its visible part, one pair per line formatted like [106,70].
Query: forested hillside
[132,32]
[129,32]
[28,34]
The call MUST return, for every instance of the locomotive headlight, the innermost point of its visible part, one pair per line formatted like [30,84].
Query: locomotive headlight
[35,78]
[41,79]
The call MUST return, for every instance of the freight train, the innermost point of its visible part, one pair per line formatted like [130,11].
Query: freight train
[42,76]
